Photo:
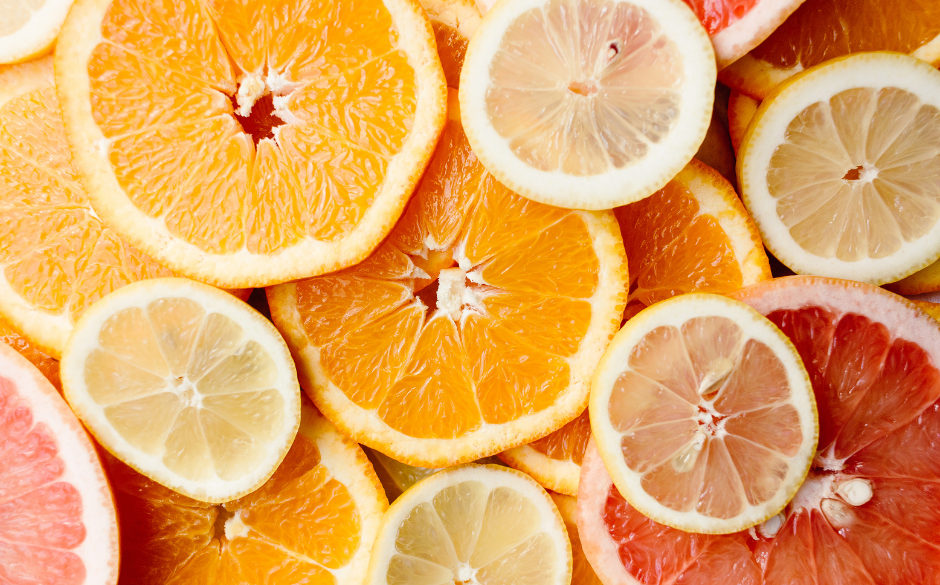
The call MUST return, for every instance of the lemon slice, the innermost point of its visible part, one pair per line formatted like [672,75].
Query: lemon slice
[186,384]
[587,104]
[29,27]
[704,415]
[472,524]
[840,168]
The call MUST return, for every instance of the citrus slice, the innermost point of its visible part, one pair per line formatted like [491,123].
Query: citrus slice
[741,110]
[737,26]
[186,384]
[454,22]
[263,143]
[472,524]
[840,168]
[931,308]
[57,521]
[314,521]
[603,122]
[581,571]
[704,414]
[867,510]
[820,30]
[29,27]
[474,328]
[925,280]
[716,150]
[45,363]
[396,477]
[693,235]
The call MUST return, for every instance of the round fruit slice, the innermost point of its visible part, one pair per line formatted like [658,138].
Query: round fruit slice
[741,110]
[867,512]
[57,521]
[605,121]
[45,363]
[472,524]
[474,328]
[820,30]
[692,235]
[264,142]
[840,168]
[704,414]
[186,384]
[925,280]
[29,27]
[314,521]
[454,22]
[737,26]
[581,571]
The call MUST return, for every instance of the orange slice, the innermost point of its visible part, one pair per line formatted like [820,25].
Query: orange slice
[45,363]
[581,571]
[604,121]
[472,524]
[186,384]
[925,280]
[29,27]
[314,521]
[692,235]
[824,29]
[57,520]
[704,414]
[473,329]
[741,110]
[454,22]
[253,151]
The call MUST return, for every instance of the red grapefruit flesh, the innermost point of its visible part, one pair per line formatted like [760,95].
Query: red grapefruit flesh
[869,511]
[57,520]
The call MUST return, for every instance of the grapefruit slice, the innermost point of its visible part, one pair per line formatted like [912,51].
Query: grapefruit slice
[29,28]
[57,520]
[604,122]
[704,414]
[472,524]
[867,512]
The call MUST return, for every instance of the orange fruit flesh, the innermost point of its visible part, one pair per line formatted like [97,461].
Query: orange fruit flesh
[451,48]
[716,15]
[297,527]
[567,443]
[188,159]
[45,363]
[820,30]
[879,418]
[674,248]
[379,317]
[40,512]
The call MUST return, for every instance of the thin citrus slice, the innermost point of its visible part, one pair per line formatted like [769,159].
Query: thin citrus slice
[473,524]
[587,104]
[741,110]
[581,571]
[867,512]
[57,520]
[45,363]
[246,145]
[840,168]
[454,22]
[474,328]
[186,384]
[29,27]
[704,414]
[820,30]
[692,235]
[313,522]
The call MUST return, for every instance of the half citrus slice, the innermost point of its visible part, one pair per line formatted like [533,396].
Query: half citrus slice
[186,384]
[704,414]
[693,235]
[840,168]
[57,520]
[587,104]
[472,524]
[474,328]
[29,27]
[264,142]
[314,521]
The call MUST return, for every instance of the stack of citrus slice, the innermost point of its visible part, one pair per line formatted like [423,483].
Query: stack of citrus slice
[314,521]
[867,511]
[443,346]
[692,235]
[253,151]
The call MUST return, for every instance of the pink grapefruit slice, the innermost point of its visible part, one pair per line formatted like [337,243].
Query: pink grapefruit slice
[869,509]
[57,520]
